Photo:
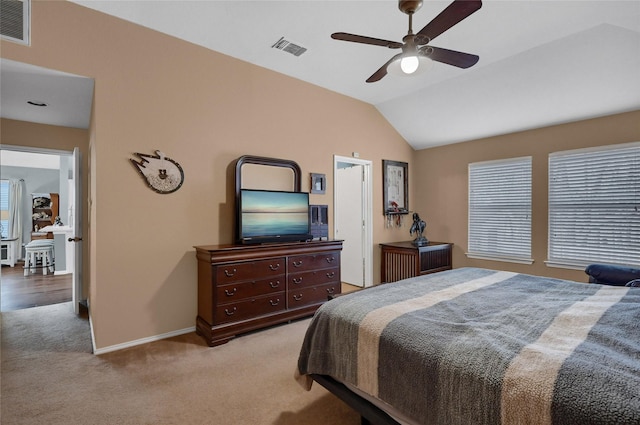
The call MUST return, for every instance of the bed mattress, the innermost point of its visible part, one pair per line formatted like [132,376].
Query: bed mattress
[484,347]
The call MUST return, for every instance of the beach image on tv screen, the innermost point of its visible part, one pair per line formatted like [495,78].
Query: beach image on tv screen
[274,213]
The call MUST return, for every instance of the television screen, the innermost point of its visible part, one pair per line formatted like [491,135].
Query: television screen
[271,216]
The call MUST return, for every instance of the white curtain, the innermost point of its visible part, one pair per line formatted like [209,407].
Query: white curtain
[16,190]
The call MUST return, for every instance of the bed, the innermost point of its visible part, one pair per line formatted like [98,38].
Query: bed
[478,346]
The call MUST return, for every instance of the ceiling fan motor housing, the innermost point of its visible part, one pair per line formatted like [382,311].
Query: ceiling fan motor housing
[409,6]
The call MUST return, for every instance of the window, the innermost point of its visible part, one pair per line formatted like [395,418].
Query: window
[594,206]
[500,210]
[4,208]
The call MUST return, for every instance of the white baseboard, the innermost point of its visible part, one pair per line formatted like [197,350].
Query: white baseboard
[93,337]
[141,341]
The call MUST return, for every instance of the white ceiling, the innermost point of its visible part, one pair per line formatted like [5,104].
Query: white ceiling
[541,62]
[14,158]
[67,97]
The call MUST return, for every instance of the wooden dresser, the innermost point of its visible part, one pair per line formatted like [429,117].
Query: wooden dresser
[246,287]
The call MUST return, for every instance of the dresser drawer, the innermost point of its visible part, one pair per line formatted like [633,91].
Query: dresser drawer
[313,261]
[250,308]
[253,288]
[236,272]
[311,278]
[313,295]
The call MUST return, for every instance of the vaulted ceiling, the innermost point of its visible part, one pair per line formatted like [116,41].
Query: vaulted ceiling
[541,62]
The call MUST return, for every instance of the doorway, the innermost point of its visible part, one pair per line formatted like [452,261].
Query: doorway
[353,218]
[42,171]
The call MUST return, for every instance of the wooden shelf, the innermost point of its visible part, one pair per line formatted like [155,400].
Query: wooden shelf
[50,210]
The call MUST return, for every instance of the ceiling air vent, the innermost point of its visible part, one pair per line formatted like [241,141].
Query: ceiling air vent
[289,47]
[14,20]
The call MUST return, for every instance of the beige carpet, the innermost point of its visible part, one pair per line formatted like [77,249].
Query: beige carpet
[49,376]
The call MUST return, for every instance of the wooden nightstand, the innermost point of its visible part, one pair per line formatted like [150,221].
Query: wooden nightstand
[401,260]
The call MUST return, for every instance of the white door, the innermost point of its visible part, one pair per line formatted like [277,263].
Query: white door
[352,215]
[76,239]
[349,223]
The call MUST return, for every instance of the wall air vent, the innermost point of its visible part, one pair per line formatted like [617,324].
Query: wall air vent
[289,47]
[14,20]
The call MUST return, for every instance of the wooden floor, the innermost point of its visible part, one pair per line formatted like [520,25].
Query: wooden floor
[18,291]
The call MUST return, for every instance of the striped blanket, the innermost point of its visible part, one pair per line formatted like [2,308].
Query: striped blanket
[476,346]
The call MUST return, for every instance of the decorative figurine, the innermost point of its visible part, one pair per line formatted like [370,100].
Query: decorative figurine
[418,227]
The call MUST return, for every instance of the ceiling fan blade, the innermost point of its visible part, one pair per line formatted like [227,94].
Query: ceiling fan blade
[365,40]
[377,76]
[450,57]
[454,13]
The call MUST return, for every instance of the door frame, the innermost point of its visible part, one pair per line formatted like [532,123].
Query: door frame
[367,210]
[76,289]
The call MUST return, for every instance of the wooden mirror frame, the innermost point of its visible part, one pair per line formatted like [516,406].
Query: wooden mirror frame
[274,162]
[261,160]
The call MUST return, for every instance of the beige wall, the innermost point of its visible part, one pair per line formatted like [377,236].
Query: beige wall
[204,110]
[441,178]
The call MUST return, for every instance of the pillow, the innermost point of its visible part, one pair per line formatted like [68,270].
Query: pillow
[609,274]
[635,283]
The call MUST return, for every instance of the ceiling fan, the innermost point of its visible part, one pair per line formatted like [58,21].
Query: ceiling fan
[415,47]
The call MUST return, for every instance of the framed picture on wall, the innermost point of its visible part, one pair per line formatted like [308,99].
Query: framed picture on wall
[318,183]
[395,186]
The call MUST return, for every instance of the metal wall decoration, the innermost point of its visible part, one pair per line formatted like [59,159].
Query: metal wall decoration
[396,191]
[318,183]
[161,173]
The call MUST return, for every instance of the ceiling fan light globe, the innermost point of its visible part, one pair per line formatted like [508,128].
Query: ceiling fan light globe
[409,64]
[394,68]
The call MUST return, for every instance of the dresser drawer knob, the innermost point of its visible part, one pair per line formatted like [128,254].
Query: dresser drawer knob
[331,290]
[297,263]
[275,303]
[274,267]
[229,273]
[297,280]
[331,274]
[231,293]
[274,284]
[297,297]
[330,259]
[230,313]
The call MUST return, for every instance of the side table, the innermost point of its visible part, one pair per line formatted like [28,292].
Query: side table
[401,260]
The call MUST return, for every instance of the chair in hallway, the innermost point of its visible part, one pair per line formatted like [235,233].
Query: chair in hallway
[39,253]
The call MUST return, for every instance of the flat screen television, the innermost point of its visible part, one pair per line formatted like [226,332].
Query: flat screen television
[266,216]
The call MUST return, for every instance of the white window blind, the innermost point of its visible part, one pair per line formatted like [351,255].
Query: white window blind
[500,210]
[4,208]
[594,206]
